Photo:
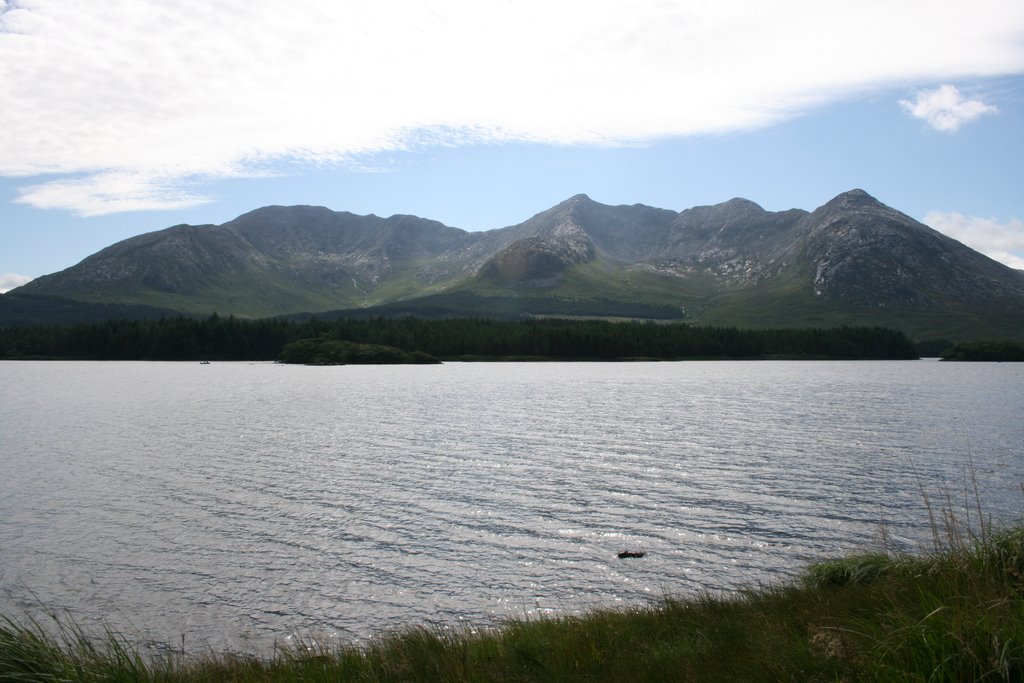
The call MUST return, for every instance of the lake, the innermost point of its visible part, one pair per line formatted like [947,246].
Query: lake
[237,504]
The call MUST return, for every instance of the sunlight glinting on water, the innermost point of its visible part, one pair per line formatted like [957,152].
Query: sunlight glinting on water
[241,503]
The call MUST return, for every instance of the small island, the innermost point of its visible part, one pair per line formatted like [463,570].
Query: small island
[323,351]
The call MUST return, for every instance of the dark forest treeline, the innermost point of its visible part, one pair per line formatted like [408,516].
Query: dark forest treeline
[998,351]
[217,338]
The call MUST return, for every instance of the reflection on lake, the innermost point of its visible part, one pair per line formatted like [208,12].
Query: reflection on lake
[241,503]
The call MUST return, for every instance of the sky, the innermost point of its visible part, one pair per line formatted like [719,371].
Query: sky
[128,116]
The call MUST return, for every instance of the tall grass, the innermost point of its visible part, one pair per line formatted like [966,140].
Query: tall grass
[954,612]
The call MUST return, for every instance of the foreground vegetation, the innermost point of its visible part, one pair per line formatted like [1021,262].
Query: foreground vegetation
[217,338]
[956,614]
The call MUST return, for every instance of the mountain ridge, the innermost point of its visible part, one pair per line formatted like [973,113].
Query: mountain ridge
[853,259]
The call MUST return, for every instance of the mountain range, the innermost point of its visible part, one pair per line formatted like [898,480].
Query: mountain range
[853,260]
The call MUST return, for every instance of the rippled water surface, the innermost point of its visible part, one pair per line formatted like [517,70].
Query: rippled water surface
[238,504]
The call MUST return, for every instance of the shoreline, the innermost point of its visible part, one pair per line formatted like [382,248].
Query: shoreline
[952,613]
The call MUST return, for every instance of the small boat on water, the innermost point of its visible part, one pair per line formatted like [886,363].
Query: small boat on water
[204,362]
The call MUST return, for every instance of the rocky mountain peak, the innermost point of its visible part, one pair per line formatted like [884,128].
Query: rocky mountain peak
[853,200]
[732,211]
[741,204]
[572,207]
[866,253]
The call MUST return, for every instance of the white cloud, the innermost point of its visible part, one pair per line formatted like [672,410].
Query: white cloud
[944,108]
[9,281]
[111,192]
[160,91]
[1002,242]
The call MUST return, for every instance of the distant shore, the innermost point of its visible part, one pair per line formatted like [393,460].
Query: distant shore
[389,340]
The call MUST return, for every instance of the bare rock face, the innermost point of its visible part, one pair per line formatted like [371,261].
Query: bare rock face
[736,243]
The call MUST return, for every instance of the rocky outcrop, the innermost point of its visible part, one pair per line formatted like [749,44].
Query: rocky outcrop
[538,261]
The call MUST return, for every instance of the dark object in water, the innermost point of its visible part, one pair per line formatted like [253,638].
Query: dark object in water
[628,553]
